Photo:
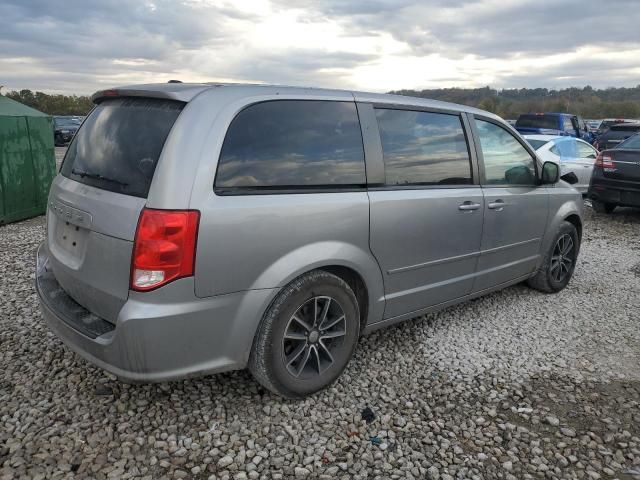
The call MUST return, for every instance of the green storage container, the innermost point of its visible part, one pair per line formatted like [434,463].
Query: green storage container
[27,160]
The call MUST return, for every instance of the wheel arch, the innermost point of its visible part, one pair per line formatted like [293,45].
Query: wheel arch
[357,267]
[357,284]
[563,209]
[575,220]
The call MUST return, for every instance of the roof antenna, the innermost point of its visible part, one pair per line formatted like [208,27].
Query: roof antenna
[174,81]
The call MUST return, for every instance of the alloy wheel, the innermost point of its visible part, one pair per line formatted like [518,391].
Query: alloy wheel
[313,336]
[562,258]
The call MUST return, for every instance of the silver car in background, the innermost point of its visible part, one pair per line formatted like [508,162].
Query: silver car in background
[199,228]
[573,155]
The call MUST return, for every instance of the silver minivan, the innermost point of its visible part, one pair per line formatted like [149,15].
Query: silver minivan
[199,228]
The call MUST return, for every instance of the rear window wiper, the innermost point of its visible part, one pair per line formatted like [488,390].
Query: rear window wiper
[97,176]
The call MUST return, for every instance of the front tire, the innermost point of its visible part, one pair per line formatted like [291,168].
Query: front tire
[559,262]
[307,336]
[602,207]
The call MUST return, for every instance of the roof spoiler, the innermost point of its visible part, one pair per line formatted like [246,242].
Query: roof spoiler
[168,91]
[101,95]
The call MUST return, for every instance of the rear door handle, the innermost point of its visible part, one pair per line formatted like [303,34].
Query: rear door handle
[498,205]
[468,206]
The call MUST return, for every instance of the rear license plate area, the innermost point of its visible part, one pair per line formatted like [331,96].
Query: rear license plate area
[70,237]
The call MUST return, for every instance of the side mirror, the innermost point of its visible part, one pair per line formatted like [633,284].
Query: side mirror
[550,173]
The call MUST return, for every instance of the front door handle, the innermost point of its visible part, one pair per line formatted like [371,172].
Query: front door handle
[468,206]
[498,205]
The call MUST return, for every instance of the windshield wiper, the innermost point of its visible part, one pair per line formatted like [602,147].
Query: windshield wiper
[97,176]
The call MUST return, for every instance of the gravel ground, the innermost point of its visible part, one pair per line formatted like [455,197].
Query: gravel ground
[515,385]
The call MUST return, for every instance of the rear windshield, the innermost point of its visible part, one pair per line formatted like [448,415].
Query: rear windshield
[616,134]
[538,121]
[625,127]
[632,143]
[119,144]
[66,122]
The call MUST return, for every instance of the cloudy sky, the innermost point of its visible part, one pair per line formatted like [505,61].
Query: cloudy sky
[79,46]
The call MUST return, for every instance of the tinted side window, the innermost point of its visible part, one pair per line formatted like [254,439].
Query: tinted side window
[423,148]
[293,143]
[506,161]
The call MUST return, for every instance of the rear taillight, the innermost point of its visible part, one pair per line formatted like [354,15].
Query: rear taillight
[164,247]
[605,160]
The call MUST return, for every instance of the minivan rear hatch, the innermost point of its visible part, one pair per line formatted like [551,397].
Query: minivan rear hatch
[95,203]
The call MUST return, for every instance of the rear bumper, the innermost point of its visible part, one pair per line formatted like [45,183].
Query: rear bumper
[625,194]
[163,335]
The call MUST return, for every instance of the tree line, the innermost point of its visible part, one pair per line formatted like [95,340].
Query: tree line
[53,104]
[508,103]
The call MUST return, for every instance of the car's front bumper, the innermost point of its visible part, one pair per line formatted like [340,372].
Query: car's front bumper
[162,335]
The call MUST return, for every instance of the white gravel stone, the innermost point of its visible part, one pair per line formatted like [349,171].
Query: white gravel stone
[462,393]
[552,420]
[301,472]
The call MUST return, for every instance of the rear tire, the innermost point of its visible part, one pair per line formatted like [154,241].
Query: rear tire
[602,207]
[559,262]
[307,336]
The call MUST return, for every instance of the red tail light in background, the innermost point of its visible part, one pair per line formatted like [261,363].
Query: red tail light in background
[164,247]
[605,160]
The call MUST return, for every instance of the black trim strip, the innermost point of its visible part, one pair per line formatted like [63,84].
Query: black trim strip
[416,108]
[378,188]
[372,144]
[284,190]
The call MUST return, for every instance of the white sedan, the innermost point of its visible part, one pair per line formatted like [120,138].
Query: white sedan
[572,154]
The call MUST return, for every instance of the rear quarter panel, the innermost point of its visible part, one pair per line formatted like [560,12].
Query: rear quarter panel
[248,242]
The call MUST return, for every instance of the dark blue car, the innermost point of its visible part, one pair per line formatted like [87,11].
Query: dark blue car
[553,124]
